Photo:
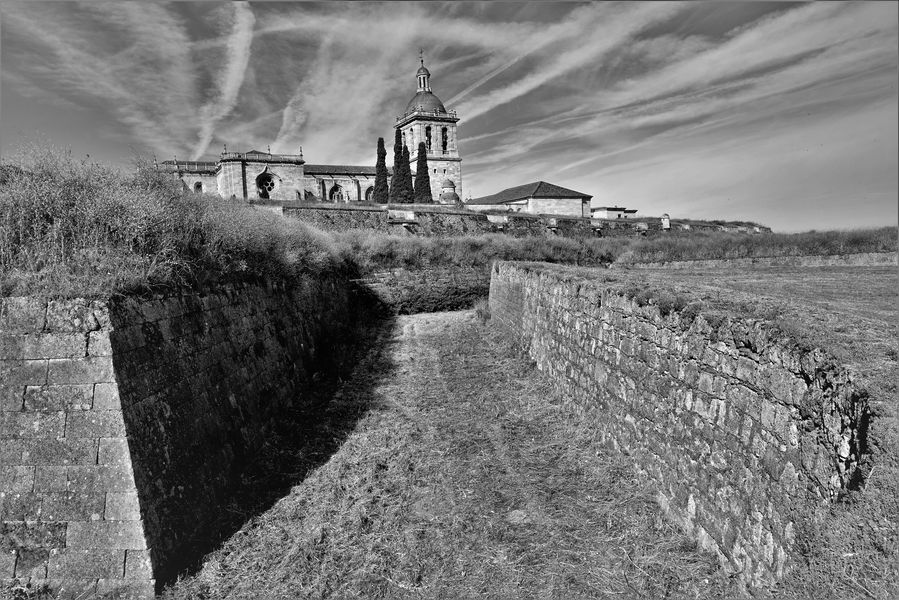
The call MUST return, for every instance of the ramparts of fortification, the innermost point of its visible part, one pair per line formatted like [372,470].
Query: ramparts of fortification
[425,220]
[748,436]
[125,422]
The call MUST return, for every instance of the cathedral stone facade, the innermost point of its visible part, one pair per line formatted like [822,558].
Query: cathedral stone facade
[263,176]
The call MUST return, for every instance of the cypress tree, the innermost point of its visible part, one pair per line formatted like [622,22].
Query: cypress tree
[407,178]
[381,192]
[396,184]
[422,178]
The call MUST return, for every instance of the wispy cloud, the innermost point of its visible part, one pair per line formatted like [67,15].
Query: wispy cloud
[231,77]
[650,103]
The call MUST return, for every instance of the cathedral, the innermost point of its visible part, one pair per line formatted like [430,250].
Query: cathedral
[263,176]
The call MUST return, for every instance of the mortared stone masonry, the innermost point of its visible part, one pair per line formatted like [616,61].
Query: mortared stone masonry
[748,437]
[124,423]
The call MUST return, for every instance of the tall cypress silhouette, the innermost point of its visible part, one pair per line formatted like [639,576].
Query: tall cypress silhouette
[396,184]
[407,197]
[381,193]
[422,178]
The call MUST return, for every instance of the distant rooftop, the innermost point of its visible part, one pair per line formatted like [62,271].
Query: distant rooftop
[538,189]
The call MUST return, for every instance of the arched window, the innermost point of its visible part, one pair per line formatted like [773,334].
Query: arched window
[265,185]
[198,187]
[369,193]
[443,140]
[428,137]
[336,193]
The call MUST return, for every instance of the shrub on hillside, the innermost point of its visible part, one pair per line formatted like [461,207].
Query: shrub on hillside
[70,227]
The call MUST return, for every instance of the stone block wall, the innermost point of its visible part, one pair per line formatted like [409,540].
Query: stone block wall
[341,218]
[747,437]
[435,221]
[69,514]
[125,423]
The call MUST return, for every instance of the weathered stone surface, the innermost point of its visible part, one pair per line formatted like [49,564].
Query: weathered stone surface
[32,562]
[83,563]
[59,397]
[80,370]
[32,424]
[125,589]
[15,372]
[106,396]
[73,315]
[92,479]
[73,506]
[22,314]
[98,344]
[7,563]
[20,506]
[106,534]
[138,565]
[56,451]
[114,451]
[31,535]
[709,413]
[96,423]
[50,479]
[42,345]
[122,506]
[12,396]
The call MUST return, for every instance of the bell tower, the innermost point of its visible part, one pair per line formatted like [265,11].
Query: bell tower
[427,120]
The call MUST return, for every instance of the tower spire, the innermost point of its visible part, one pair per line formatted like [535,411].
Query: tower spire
[423,75]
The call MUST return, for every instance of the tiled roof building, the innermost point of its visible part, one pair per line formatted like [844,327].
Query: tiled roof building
[538,197]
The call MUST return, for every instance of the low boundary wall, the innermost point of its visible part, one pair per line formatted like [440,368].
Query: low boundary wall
[747,436]
[434,220]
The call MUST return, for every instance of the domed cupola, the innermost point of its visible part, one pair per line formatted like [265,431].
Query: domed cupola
[448,193]
[424,99]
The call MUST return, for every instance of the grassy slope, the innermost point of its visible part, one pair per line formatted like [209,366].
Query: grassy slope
[464,480]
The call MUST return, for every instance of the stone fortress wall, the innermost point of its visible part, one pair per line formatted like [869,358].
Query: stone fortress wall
[429,220]
[69,510]
[745,435]
[125,423]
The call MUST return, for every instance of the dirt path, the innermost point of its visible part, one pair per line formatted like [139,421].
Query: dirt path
[463,479]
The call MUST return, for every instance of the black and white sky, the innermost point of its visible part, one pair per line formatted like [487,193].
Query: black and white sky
[777,112]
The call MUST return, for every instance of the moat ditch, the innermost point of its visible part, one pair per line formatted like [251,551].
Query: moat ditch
[460,475]
[428,457]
